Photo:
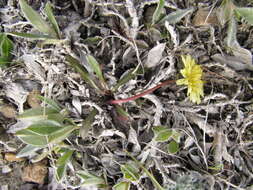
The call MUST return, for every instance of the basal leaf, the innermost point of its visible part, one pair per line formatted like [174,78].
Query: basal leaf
[82,71]
[35,19]
[61,164]
[162,133]
[96,68]
[49,12]
[176,16]
[158,12]
[130,75]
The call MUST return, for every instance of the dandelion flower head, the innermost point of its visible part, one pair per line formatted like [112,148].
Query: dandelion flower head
[192,74]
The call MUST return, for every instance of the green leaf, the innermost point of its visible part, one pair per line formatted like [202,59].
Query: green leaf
[151,177]
[130,172]
[162,133]
[35,19]
[35,135]
[45,127]
[61,134]
[32,36]
[123,185]
[130,75]
[176,16]
[61,164]
[42,155]
[53,41]
[86,124]
[4,61]
[96,68]
[50,102]
[64,158]
[6,46]
[32,138]
[37,111]
[216,167]
[158,12]
[28,150]
[36,114]
[90,179]
[49,12]
[173,147]
[246,13]
[92,40]
[82,71]
[122,112]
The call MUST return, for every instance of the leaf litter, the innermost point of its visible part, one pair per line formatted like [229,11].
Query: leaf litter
[92,52]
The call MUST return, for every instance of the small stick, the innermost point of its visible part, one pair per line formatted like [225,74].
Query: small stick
[141,94]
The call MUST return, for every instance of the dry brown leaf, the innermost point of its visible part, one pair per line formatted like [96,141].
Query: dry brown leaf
[35,172]
[32,99]
[204,17]
[8,111]
[11,157]
[221,143]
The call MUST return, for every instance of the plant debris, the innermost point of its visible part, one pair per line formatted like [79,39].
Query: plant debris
[92,97]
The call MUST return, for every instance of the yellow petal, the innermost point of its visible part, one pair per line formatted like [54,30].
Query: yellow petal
[181,82]
[192,74]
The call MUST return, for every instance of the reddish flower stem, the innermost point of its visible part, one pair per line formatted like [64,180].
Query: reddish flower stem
[119,101]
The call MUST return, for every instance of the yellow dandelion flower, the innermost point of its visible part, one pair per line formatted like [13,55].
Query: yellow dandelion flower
[192,74]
